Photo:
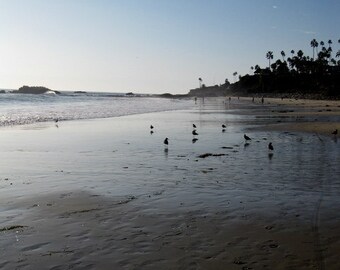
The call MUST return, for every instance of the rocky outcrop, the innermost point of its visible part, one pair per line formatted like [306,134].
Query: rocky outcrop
[35,90]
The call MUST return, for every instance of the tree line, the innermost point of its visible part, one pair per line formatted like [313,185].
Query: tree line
[296,72]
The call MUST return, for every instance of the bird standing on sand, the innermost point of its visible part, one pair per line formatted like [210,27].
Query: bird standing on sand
[166,142]
[246,137]
[151,127]
[224,126]
[194,132]
[193,125]
[270,146]
[56,120]
[335,132]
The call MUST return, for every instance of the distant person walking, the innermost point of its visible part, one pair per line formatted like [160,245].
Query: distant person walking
[262,100]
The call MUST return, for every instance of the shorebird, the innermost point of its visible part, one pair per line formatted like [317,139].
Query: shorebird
[151,127]
[335,132]
[246,137]
[166,142]
[193,125]
[270,146]
[151,132]
[224,126]
[56,120]
[194,132]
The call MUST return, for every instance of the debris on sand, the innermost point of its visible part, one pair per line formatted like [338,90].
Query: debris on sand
[210,155]
[13,227]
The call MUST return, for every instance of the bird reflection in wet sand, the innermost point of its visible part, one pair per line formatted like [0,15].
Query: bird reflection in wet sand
[166,143]
[194,133]
[194,140]
[270,149]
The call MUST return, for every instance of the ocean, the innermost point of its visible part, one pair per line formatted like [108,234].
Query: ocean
[19,109]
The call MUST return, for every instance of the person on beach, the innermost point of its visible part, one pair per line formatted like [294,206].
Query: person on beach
[262,100]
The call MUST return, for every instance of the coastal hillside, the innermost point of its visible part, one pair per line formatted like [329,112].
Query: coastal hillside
[316,76]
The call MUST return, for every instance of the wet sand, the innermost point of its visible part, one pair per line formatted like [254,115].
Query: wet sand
[107,194]
[313,116]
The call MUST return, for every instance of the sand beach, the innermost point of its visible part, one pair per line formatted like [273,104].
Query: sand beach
[107,194]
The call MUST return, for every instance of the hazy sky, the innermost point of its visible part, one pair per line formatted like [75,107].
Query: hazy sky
[152,46]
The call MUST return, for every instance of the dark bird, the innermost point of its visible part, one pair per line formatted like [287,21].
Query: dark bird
[270,146]
[151,132]
[166,142]
[194,140]
[224,126]
[193,125]
[246,137]
[151,126]
[56,120]
[194,132]
[335,132]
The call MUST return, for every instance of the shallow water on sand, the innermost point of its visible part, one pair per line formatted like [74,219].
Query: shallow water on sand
[119,159]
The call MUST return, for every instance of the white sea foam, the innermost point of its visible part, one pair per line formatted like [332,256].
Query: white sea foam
[19,109]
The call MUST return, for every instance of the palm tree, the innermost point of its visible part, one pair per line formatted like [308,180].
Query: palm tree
[234,74]
[329,43]
[300,54]
[314,44]
[283,55]
[338,54]
[322,43]
[200,82]
[269,56]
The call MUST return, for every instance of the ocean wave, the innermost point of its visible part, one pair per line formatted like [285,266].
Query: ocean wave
[20,109]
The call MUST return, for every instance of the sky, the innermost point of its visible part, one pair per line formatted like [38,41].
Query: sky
[152,46]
